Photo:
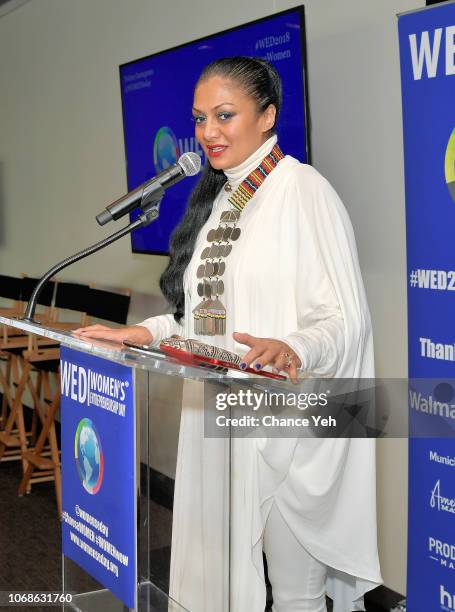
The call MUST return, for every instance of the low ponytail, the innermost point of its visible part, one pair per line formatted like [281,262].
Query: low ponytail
[184,237]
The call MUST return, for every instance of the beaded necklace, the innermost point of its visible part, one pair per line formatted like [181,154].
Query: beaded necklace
[210,314]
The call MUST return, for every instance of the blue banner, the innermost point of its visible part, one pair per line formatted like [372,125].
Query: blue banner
[427,56]
[98,470]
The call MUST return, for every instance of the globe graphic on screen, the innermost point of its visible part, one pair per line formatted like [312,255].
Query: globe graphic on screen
[449,165]
[89,456]
[165,149]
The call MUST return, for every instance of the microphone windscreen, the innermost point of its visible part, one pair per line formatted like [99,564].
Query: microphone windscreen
[190,163]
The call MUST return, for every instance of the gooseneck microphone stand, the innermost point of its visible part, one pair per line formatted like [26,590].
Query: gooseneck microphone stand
[150,213]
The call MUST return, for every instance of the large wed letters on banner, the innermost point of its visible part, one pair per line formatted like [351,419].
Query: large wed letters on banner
[98,470]
[427,54]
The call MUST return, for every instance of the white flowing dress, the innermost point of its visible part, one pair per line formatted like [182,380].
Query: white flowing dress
[292,275]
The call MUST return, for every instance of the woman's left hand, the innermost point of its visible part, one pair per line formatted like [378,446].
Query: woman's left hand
[265,351]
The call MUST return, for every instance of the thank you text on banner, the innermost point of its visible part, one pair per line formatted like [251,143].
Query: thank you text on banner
[427,55]
[98,470]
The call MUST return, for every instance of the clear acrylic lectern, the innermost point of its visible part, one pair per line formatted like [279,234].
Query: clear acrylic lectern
[156,405]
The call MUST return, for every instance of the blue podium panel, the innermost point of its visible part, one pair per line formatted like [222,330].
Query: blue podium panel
[427,56]
[99,529]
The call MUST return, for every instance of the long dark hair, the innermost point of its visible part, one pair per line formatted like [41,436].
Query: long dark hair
[261,81]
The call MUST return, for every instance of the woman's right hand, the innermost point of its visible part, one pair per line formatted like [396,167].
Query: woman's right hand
[134,333]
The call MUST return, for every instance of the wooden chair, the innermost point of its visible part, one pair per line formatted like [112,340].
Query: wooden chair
[71,298]
[42,461]
[45,299]
[109,306]
[11,290]
[15,377]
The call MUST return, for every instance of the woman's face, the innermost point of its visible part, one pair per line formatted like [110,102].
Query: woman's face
[228,126]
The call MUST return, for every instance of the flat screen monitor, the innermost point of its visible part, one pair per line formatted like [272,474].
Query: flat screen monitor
[157,96]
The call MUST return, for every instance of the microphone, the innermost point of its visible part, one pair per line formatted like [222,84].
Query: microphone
[188,164]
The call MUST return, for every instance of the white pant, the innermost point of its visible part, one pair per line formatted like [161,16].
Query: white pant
[297,578]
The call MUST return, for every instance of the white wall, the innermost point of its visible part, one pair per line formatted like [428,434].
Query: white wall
[62,156]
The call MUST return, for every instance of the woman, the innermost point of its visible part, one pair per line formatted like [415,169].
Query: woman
[291,298]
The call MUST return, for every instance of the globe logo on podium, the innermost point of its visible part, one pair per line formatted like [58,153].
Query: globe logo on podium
[89,456]
[165,149]
[449,165]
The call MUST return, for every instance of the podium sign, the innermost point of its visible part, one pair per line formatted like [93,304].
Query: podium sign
[98,470]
